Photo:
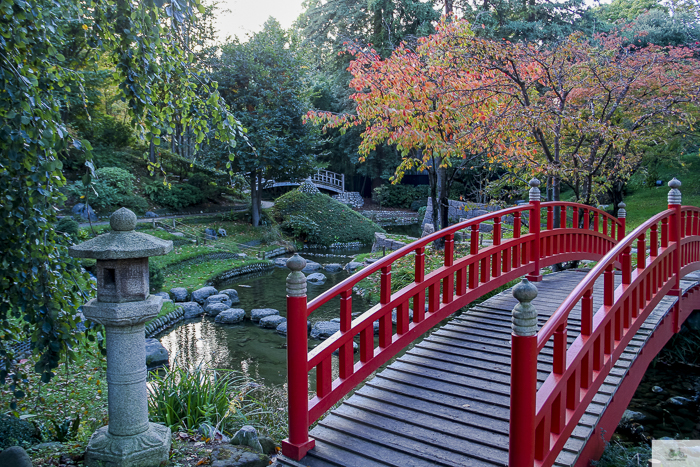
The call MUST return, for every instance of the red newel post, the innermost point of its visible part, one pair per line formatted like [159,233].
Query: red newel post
[298,443]
[535,221]
[622,217]
[675,235]
[523,377]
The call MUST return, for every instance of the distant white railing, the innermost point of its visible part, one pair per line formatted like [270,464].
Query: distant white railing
[322,178]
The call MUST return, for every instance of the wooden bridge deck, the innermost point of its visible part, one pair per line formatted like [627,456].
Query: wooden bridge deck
[445,402]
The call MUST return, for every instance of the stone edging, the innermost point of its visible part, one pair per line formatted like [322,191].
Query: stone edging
[164,322]
[337,246]
[239,271]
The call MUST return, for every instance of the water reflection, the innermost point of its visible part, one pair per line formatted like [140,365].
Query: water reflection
[259,353]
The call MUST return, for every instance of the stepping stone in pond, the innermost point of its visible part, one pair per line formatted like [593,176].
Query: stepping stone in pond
[230,316]
[272,321]
[257,314]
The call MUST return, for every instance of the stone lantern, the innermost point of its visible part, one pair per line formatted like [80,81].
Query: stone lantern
[123,305]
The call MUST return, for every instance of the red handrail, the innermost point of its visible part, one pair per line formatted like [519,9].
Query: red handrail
[447,289]
[579,370]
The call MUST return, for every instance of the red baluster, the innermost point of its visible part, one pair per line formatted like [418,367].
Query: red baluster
[587,313]
[676,235]
[419,298]
[448,281]
[345,356]
[608,286]
[473,250]
[323,378]
[402,318]
[654,241]
[641,252]
[626,265]
[385,285]
[559,364]
[496,263]
[516,234]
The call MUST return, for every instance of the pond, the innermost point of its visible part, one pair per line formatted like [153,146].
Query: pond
[259,353]
[412,230]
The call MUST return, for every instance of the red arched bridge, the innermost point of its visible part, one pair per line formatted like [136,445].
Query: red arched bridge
[512,381]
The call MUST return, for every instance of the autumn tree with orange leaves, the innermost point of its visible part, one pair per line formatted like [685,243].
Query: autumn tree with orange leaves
[580,112]
[424,109]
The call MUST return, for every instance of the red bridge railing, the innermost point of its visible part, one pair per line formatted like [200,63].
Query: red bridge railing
[543,419]
[582,232]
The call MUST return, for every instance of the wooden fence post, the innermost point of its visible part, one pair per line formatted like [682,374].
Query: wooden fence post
[535,221]
[298,443]
[523,377]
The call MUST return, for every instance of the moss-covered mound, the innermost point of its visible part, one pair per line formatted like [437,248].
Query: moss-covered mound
[321,220]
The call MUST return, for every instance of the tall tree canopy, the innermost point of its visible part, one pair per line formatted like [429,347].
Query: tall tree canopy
[265,82]
[138,41]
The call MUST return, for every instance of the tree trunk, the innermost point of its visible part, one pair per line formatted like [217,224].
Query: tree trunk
[255,198]
[616,195]
[444,202]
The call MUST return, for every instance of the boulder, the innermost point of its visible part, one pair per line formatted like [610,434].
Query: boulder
[156,354]
[230,316]
[178,234]
[268,445]
[427,230]
[232,295]
[247,436]
[213,433]
[179,294]
[272,321]
[394,316]
[352,265]
[15,456]
[221,232]
[192,310]
[281,262]
[257,314]
[225,455]
[215,308]
[381,243]
[630,416]
[200,295]
[324,329]
[332,267]
[84,212]
[210,234]
[485,228]
[282,328]
[311,266]
[164,295]
[218,298]
[355,349]
[678,400]
[150,214]
[316,277]
[242,255]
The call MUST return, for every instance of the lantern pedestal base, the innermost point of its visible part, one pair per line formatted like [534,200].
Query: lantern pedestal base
[147,449]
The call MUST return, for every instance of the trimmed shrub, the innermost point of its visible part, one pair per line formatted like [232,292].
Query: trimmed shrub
[399,196]
[69,226]
[155,276]
[323,220]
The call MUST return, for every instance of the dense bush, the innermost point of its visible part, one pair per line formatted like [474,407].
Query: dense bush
[69,226]
[178,196]
[16,432]
[399,196]
[113,188]
[336,222]
[205,183]
[155,276]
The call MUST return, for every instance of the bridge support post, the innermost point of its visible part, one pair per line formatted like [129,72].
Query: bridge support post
[675,236]
[523,377]
[298,443]
[535,227]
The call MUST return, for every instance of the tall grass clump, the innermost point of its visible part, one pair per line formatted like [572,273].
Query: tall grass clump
[186,399]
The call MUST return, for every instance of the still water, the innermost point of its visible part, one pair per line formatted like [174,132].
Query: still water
[259,353]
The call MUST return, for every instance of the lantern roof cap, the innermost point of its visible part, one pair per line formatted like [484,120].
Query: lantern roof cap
[123,242]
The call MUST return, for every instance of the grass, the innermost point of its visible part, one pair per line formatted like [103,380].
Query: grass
[77,391]
[196,275]
[618,454]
